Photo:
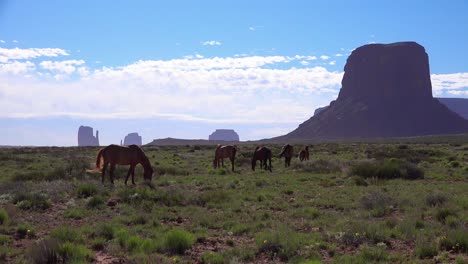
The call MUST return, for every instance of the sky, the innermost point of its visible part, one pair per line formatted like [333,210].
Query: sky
[185,68]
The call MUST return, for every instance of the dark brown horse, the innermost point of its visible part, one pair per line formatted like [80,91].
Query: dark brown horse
[287,152]
[120,155]
[223,152]
[263,154]
[304,154]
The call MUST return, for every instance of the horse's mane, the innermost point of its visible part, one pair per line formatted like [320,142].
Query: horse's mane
[284,149]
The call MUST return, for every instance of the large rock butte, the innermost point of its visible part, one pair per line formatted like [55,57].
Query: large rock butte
[132,139]
[86,138]
[386,92]
[224,135]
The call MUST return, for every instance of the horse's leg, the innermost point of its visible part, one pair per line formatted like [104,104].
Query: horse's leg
[222,162]
[128,174]
[133,175]
[103,171]
[232,163]
[111,172]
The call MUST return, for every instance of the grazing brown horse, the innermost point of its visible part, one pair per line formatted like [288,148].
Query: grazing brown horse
[304,154]
[287,152]
[223,152]
[131,155]
[263,154]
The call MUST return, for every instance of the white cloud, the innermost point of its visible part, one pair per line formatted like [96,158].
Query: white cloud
[311,58]
[22,54]
[67,66]
[451,81]
[15,41]
[338,55]
[214,90]
[324,57]
[17,67]
[2,41]
[211,43]
[305,63]
[332,63]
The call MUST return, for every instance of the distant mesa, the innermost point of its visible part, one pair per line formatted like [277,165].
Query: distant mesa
[132,139]
[224,135]
[86,138]
[457,105]
[386,92]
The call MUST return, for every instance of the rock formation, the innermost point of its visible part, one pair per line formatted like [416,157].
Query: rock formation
[86,138]
[224,135]
[132,139]
[386,92]
[457,105]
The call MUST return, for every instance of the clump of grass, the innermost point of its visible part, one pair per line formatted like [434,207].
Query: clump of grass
[372,255]
[177,241]
[443,213]
[359,181]
[436,199]
[211,257]
[86,190]
[105,230]
[378,203]
[325,166]
[171,170]
[74,213]
[426,249]
[215,196]
[3,216]
[23,231]
[98,243]
[284,243]
[66,234]
[32,201]
[456,240]
[387,169]
[44,251]
[95,202]
[73,253]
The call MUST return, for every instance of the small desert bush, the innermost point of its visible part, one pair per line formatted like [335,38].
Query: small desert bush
[74,213]
[66,234]
[388,169]
[436,199]
[171,170]
[456,240]
[211,257]
[3,216]
[318,166]
[32,201]
[372,255]
[178,240]
[426,249]
[95,202]
[284,243]
[379,203]
[443,213]
[54,174]
[105,230]
[86,190]
[44,251]
[23,231]
[74,253]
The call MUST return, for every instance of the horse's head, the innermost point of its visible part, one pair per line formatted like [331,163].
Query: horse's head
[148,174]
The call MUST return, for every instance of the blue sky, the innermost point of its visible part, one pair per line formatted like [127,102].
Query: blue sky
[185,68]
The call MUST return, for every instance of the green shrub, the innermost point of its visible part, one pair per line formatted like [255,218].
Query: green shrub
[105,230]
[66,234]
[324,166]
[98,243]
[32,201]
[426,250]
[171,170]
[73,253]
[95,202]
[86,190]
[283,242]
[377,202]
[178,240]
[373,255]
[44,251]
[454,164]
[456,240]
[211,257]
[387,169]
[359,181]
[443,213]
[74,213]
[23,231]
[4,239]
[436,199]
[3,216]
[215,197]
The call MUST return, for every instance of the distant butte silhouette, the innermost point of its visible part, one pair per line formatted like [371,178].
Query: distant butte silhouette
[224,135]
[386,92]
[132,139]
[86,138]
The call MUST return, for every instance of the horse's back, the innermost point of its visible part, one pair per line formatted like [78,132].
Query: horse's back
[123,155]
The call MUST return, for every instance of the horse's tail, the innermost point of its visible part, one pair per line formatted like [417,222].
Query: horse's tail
[99,158]
[234,150]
